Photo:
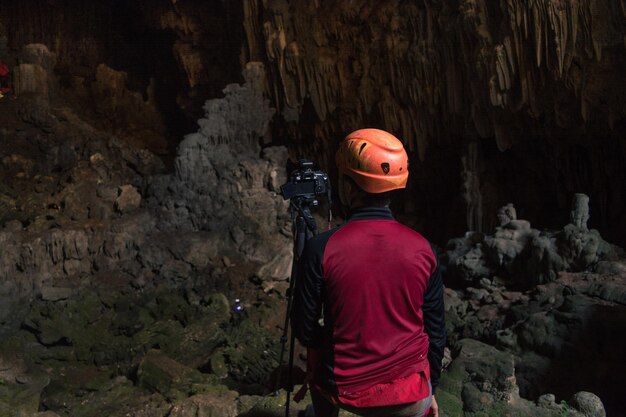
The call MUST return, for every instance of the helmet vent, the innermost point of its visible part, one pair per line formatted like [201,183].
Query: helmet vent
[362,147]
[385,167]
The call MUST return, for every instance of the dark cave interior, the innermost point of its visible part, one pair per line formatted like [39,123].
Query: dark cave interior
[126,37]
[142,71]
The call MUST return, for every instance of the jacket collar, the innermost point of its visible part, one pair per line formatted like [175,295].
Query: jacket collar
[371,213]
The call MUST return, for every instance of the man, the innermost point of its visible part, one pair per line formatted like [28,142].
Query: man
[377,287]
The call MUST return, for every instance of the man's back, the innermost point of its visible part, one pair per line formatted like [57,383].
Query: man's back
[375,272]
[372,275]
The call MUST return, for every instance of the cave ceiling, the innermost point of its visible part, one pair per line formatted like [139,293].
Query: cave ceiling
[539,86]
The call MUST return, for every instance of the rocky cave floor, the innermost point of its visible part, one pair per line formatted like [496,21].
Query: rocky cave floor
[112,308]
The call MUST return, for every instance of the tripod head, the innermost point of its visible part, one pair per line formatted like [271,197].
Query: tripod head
[302,191]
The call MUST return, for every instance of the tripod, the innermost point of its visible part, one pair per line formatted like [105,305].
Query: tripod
[303,227]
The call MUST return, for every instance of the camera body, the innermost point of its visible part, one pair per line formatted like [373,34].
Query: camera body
[305,182]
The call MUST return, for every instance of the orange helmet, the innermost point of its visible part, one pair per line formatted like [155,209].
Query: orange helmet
[374,159]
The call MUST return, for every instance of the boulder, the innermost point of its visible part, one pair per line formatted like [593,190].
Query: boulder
[588,404]
[160,373]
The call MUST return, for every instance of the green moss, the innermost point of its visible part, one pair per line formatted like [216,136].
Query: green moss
[451,404]
[154,377]
[17,400]
[502,409]
[452,379]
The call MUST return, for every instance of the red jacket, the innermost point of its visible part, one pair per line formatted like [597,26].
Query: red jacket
[379,287]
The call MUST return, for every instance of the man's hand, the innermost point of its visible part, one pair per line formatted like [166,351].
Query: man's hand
[434,409]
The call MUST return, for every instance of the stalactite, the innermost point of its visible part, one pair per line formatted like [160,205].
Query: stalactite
[597,48]
[537,25]
[560,31]
[422,70]
[503,137]
[502,68]
[586,31]
[572,14]
[251,27]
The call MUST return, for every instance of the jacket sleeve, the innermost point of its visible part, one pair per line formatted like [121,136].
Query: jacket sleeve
[434,324]
[308,297]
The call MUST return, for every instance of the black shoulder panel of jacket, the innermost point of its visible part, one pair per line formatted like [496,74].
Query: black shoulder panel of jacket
[434,323]
[309,293]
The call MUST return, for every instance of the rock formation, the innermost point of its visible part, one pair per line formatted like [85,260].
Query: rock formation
[219,183]
[75,211]
[528,255]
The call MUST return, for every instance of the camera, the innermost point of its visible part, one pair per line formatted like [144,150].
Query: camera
[305,182]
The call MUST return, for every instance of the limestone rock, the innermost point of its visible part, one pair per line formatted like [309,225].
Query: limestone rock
[279,268]
[243,115]
[31,78]
[220,185]
[526,254]
[588,403]
[34,107]
[128,199]
[38,54]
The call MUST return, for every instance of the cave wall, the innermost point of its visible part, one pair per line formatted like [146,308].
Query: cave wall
[537,86]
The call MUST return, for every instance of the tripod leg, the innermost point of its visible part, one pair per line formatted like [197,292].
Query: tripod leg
[292,345]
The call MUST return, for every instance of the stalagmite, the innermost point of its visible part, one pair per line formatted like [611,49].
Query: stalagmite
[471,188]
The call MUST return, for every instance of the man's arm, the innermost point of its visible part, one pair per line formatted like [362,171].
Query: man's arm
[434,323]
[308,297]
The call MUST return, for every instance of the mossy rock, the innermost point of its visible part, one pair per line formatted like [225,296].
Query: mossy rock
[521,408]
[197,339]
[160,374]
[263,406]
[21,400]
[452,379]
[164,334]
[499,410]
[117,398]
[218,365]
[251,352]
[221,405]
[449,405]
